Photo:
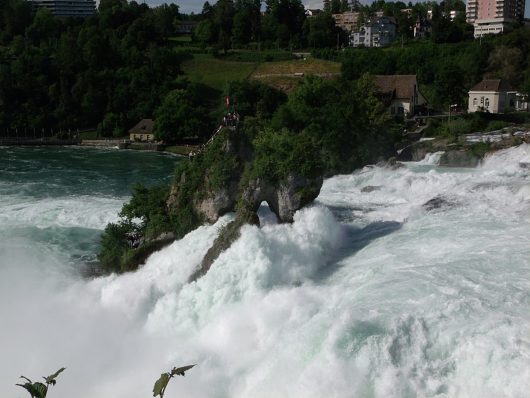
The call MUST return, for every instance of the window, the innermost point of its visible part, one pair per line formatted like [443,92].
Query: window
[487,102]
[481,100]
[474,102]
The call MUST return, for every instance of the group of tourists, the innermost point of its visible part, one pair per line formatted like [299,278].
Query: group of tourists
[231,119]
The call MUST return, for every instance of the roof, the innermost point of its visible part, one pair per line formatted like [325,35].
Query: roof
[401,86]
[381,21]
[496,85]
[145,126]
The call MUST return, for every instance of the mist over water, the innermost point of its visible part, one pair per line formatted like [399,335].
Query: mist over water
[367,294]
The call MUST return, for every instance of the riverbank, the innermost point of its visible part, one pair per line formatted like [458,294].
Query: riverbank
[37,141]
[466,150]
[183,150]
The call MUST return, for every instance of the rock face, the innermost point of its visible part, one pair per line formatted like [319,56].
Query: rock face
[436,203]
[217,203]
[285,199]
[229,234]
[210,200]
[459,158]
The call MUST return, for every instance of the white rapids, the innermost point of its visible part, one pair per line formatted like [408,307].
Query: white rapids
[412,282]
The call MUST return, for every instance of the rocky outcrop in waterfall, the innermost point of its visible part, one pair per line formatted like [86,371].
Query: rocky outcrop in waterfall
[220,181]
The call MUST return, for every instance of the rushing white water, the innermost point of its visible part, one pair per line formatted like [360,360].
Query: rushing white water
[367,294]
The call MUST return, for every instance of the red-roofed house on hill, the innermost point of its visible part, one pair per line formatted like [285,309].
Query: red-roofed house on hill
[491,95]
[401,94]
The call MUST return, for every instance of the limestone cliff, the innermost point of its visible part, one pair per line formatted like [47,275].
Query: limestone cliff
[218,181]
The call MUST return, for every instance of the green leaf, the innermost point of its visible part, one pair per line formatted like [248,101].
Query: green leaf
[51,378]
[36,390]
[180,371]
[161,384]
[41,390]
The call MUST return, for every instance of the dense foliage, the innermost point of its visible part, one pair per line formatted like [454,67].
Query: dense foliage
[109,70]
[279,153]
[345,118]
[182,114]
[251,98]
[240,23]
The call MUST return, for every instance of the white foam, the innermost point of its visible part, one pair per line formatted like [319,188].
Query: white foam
[437,305]
[85,211]
[432,159]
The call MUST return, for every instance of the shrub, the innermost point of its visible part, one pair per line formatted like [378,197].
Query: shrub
[280,153]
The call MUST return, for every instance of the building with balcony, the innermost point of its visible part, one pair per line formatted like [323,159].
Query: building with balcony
[348,21]
[493,16]
[378,32]
[67,8]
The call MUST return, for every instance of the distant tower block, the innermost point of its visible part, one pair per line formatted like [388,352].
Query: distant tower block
[67,8]
[493,16]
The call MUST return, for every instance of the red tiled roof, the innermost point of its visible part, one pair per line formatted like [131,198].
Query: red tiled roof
[401,86]
[496,85]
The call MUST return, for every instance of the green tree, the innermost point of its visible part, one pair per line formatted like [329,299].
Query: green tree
[251,98]
[247,21]
[165,16]
[506,63]
[179,116]
[224,19]
[44,27]
[449,84]
[242,31]
[322,31]
[204,33]
[336,6]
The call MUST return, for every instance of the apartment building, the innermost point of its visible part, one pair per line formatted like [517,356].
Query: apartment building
[493,16]
[67,8]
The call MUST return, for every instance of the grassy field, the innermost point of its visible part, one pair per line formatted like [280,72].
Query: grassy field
[286,75]
[309,66]
[216,73]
